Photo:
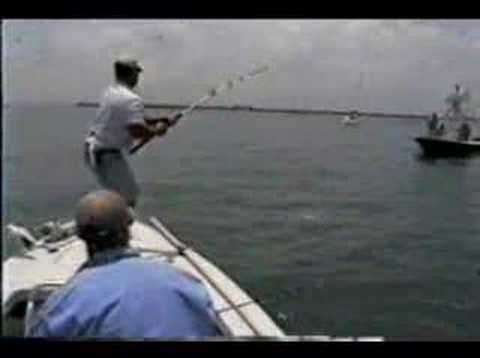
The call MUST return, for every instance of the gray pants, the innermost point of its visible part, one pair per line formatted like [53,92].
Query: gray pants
[113,173]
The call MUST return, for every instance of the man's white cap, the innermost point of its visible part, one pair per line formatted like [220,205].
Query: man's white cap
[129,62]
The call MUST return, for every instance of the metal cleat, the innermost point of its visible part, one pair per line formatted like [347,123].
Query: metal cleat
[14,232]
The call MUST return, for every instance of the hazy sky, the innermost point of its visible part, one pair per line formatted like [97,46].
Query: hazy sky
[387,65]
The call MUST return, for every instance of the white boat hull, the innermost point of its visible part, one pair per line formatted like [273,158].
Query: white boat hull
[348,121]
[240,315]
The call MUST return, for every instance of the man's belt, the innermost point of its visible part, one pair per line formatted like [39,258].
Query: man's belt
[94,153]
[101,151]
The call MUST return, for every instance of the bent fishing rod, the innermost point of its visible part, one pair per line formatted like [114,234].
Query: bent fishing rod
[227,85]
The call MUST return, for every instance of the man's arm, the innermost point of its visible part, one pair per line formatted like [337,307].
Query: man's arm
[149,128]
[142,127]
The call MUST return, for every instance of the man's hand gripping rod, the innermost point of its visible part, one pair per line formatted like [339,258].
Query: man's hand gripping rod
[211,94]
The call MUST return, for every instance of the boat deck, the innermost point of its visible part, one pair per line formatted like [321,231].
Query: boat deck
[240,315]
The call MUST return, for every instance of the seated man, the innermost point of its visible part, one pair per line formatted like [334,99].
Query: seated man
[117,293]
[440,131]
[464,132]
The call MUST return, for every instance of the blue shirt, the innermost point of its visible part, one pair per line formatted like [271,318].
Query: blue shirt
[126,296]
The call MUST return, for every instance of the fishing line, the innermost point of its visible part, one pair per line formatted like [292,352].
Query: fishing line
[225,86]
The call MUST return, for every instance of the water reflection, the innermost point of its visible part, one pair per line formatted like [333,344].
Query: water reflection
[435,160]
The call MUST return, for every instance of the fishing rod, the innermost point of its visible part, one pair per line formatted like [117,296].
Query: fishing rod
[227,85]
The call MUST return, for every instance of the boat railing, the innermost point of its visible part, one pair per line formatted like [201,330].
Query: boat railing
[37,296]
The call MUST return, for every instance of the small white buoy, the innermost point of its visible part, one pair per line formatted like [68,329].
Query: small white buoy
[282,316]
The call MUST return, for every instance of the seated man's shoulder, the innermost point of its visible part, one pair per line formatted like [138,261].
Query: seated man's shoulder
[155,269]
[188,275]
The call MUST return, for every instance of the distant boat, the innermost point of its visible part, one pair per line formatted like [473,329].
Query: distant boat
[442,147]
[352,119]
[441,140]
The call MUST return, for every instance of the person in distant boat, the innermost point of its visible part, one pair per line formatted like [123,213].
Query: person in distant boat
[464,132]
[120,121]
[440,131]
[455,101]
[351,117]
[354,115]
[118,294]
[433,124]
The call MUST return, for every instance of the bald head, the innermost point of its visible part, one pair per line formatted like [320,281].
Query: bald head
[102,219]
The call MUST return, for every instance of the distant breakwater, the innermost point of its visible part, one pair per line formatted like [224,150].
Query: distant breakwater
[275,110]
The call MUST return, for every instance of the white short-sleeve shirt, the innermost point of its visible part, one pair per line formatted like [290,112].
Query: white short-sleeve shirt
[119,107]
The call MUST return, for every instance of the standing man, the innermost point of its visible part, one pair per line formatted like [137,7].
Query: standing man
[120,121]
[433,124]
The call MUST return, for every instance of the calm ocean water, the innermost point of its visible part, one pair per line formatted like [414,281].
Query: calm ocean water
[339,230]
